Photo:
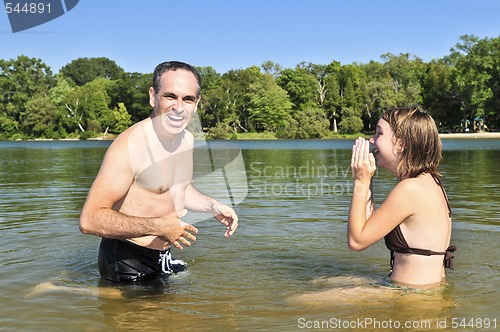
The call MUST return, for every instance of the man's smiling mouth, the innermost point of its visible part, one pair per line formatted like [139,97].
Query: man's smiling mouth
[175,118]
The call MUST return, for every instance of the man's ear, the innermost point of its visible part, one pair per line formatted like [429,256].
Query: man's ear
[197,102]
[152,97]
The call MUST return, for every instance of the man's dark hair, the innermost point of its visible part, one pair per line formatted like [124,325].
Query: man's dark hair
[174,65]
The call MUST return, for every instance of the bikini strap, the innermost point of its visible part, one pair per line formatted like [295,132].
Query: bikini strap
[448,257]
[447,260]
[392,261]
[440,184]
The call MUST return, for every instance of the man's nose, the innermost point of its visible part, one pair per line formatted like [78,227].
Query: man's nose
[178,104]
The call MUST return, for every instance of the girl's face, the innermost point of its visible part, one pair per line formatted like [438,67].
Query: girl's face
[386,149]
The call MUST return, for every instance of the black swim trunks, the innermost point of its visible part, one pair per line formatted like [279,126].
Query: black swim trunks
[121,260]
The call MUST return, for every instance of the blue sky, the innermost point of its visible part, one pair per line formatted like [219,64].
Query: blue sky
[236,34]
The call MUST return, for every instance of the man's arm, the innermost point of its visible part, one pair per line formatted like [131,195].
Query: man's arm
[111,184]
[197,201]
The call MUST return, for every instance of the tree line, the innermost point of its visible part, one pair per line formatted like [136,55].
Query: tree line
[91,96]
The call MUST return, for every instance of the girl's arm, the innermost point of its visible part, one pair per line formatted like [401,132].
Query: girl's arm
[364,229]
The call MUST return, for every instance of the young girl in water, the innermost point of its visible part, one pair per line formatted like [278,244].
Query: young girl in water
[415,219]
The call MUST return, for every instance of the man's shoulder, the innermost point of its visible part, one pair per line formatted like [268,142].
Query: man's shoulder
[128,136]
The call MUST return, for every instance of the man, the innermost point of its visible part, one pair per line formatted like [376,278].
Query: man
[144,185]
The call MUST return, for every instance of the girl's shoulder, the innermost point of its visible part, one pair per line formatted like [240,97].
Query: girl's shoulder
[417,185]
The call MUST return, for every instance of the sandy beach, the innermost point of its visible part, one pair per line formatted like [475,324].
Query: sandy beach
[471,135]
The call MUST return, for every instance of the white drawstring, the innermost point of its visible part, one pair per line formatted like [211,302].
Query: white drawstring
[165,260]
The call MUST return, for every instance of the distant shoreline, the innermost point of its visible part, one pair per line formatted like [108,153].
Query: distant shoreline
[264,137]
[471,135]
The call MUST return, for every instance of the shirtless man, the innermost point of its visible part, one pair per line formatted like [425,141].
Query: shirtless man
[144,185]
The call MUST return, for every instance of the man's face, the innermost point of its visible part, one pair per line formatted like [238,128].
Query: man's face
[176,101]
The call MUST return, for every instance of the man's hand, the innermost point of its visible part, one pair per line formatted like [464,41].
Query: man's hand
[226,216]
[177,232]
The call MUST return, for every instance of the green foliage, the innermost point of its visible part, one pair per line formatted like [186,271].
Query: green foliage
[221,131]
[132,91]
[122,118]
[91,95]
[351,121]
[309,123]
[475,78]
[269,105]
[437,96]
[351,125]
[300,85]
[40,118]
[85,70]
[8,127]
[88,134]
[20,80]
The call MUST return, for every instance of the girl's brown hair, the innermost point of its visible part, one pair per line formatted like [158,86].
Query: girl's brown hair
[416,132]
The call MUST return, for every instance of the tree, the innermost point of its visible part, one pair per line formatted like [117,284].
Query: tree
[228,99]
[397,82]
[132,90]
[492,65]
[122,118]
[332,101]
[39,118]
[351,121]
[20,80]
[272,68]
[85,70]
[406,73]
[211,104]
[309,123]
[437,95]
[300,85]
[9,128]
[470,79]
[269,105]
[66,96]
[95,103]
[96,94]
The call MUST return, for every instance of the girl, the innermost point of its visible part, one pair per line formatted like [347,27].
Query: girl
[415,219]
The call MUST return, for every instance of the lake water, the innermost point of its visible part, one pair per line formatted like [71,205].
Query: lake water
[287,268]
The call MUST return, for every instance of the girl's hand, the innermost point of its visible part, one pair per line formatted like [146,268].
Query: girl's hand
[362,161]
